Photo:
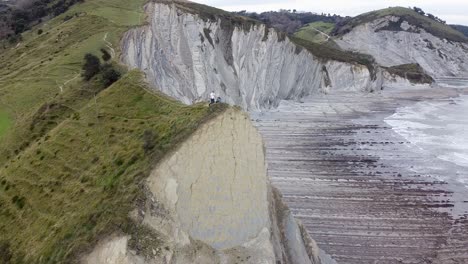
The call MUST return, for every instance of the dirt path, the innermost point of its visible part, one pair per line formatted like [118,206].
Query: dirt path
[66,82]
[109,45]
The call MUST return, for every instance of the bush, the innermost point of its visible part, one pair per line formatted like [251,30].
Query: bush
[5,254]
[148,141]
[91,67]
[105,55]
[109,74]
[40,31]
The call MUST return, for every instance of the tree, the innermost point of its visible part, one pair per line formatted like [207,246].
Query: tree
[91,67]
[419,10]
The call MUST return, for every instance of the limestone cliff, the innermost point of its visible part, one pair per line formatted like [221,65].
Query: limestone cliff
[393,41]
[210,201]
[187,55]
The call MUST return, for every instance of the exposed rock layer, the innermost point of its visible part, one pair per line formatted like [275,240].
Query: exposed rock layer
[211,202]
[364,193]
[187,57]
[409,44]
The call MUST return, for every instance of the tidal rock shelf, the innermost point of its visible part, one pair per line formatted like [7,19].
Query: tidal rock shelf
[364,193]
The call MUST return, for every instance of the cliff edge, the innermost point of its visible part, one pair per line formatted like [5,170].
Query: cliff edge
[210,201]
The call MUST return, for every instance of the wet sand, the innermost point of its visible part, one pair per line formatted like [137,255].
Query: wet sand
[365,194]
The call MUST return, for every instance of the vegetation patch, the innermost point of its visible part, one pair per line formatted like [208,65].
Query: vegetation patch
[207,32]
[315,32]
[327,52]
[428,23]
[146,241]
[413,72]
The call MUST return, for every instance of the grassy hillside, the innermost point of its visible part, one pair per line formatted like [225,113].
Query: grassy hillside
[327,51]
[4,123]
[436,28]
[81,179]
[74,153]
[44,69]
[461,28]
[311,32]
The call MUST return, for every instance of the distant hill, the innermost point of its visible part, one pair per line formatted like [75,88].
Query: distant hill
[315,32]
[290,21]
[18,16]
[462,29]
[416,17]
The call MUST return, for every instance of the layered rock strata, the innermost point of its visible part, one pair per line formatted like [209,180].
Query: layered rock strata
[408,44]
[188,56]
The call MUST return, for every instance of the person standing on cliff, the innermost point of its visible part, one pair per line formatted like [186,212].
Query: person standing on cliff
[212,97]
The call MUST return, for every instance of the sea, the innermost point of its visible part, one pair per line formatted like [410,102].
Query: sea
[438,128]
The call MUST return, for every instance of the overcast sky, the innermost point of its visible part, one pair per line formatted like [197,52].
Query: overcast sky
[453,11]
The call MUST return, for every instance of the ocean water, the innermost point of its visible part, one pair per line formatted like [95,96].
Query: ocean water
[437,128]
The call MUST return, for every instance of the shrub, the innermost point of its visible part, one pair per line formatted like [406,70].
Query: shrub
[5,254]
[105,55]
[148,141]
[40,31]
[18,201]
[109,74]
[91,66]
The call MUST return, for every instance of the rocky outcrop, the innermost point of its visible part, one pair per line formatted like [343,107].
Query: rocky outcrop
[393,41]
[210,201]
[187,56]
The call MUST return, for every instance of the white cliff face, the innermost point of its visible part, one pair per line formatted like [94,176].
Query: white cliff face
[187,57]
[439,57]
[210,201]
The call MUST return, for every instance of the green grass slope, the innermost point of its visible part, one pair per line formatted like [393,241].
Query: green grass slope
[44,69]
[310,32]
[436,28]
[4,123]
[81,179]
[74,153]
